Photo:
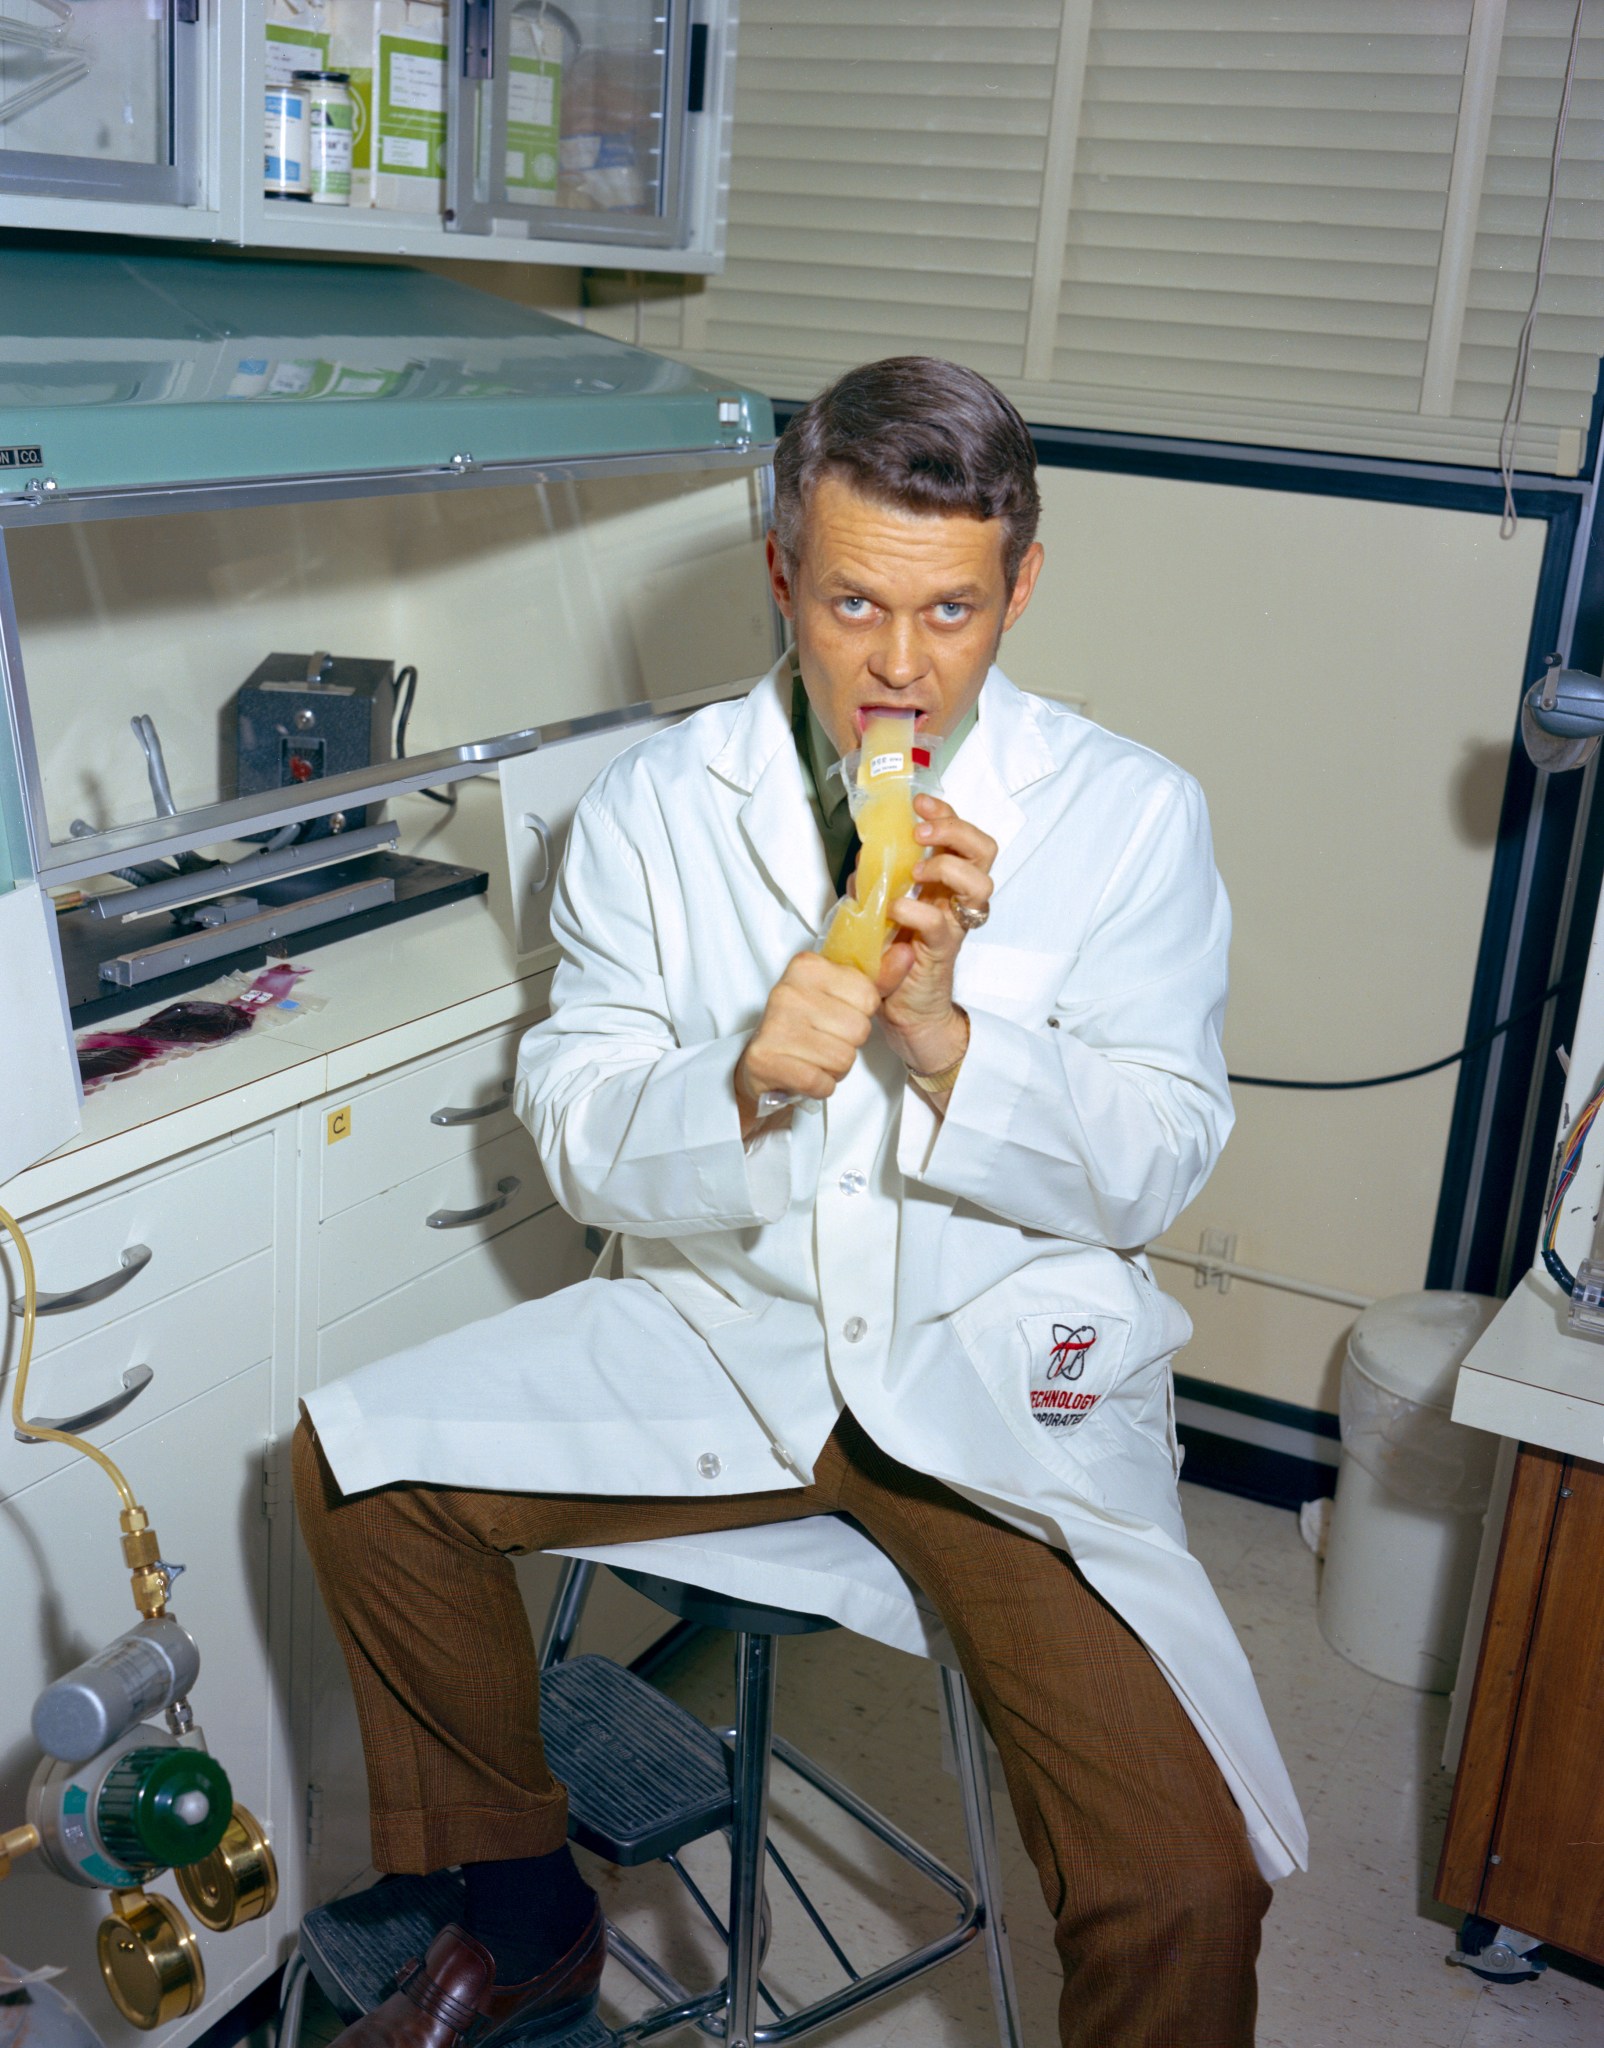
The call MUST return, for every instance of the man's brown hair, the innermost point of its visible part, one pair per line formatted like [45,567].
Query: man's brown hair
[917,433]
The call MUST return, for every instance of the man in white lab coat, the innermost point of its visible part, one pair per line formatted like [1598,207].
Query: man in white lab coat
[924,1306]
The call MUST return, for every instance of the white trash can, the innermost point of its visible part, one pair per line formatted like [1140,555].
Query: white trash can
[1412,1488]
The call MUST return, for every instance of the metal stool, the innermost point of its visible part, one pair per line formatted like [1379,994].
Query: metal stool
[731,2010]
[645,1778]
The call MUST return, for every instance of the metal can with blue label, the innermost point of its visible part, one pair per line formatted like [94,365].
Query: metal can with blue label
[286,168]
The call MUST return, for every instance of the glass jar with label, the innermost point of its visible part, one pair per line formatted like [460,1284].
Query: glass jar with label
[329,135]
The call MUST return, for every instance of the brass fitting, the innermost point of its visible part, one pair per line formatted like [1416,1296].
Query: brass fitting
[16,1842]
[141,1552]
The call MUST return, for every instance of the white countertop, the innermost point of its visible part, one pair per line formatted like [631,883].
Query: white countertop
[1528,1377]
[383,997]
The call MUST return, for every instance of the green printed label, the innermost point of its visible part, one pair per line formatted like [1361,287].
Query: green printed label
[412,108]
[362,118]
[534,113]
[329,148]
[294,49]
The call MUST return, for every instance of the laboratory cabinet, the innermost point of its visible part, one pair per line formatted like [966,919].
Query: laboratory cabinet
[259,1286]
[589,132]
[295,559]
[1522,1848]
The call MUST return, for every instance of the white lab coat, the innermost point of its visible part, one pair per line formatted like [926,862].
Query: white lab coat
[972,1286]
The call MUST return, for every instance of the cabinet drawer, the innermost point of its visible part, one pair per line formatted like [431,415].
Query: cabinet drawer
[393,1135]
[535,1257]
[200,1474]
[190,1341]
[366,1251]
[194,1219]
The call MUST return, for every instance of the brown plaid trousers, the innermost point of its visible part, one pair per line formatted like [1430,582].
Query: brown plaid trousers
[1141,1852]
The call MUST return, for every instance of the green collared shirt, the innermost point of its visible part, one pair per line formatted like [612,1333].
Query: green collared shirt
[827,793]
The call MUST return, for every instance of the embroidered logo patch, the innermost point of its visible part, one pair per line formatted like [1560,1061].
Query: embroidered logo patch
[1055,1405]
[1070,1346]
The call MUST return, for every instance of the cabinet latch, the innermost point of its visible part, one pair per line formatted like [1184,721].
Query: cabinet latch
[478,39]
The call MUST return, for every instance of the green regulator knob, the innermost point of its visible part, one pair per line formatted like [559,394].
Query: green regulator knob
[167,1807]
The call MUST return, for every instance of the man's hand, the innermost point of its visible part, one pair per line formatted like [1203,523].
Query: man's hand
[815,1023]
[915,982]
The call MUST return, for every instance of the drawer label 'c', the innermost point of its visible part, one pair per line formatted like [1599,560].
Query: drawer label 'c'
[339,1123]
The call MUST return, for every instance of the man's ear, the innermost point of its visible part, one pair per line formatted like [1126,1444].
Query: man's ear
[779,576]
[1024,583]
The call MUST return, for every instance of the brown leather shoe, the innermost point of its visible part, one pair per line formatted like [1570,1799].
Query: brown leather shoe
[452,2000]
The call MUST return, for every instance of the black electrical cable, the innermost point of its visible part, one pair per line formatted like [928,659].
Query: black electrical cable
[406,688]
[1414,1073]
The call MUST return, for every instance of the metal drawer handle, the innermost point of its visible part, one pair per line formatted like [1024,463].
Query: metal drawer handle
[135,1380]
[134,1260]
[498,1101]
[533,822]
[454,1219]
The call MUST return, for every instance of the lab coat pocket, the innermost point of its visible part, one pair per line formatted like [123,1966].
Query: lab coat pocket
[1072,1365]
[1055,1356]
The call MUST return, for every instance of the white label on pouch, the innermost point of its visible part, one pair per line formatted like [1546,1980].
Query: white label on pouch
[418,83]
[887,764]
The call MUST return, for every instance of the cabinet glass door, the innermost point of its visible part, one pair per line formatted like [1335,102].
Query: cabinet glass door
[97,99]
[571,119]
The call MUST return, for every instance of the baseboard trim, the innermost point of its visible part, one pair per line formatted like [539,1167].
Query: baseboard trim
[1248,1444]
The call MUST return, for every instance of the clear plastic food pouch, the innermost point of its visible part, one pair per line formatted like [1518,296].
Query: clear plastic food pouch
[882,777]
[188,1026]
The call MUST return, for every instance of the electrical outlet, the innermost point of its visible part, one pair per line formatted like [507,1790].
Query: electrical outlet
[1216,1245]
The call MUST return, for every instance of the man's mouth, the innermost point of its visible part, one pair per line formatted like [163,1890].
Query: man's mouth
[865,712]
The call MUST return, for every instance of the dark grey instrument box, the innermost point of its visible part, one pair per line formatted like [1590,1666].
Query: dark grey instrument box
[300,717]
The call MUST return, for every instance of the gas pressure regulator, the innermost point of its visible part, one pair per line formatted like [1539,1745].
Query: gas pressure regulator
[119,1798]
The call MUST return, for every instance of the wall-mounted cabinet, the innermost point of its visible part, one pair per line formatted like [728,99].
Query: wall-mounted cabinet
[591,132]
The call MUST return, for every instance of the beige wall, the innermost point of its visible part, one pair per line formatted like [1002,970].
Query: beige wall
[1341,677]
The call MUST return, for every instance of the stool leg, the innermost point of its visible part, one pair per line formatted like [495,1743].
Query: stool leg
[754,1733]
[292,2002]
[567,1608]
[974,1784]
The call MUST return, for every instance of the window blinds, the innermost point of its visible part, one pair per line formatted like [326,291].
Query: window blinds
[1310,226]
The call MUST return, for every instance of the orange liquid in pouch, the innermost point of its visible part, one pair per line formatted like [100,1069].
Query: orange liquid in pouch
[862,927]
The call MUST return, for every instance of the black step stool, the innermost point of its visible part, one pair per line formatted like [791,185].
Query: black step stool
[645,1779]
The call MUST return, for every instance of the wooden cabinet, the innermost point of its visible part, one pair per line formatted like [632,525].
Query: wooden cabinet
[1525,1843]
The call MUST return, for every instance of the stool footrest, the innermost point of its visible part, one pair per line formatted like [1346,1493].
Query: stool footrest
[644,1777]
[354,1947]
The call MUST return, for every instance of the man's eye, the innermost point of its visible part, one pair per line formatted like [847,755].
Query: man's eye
[852,607]
[952,613]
